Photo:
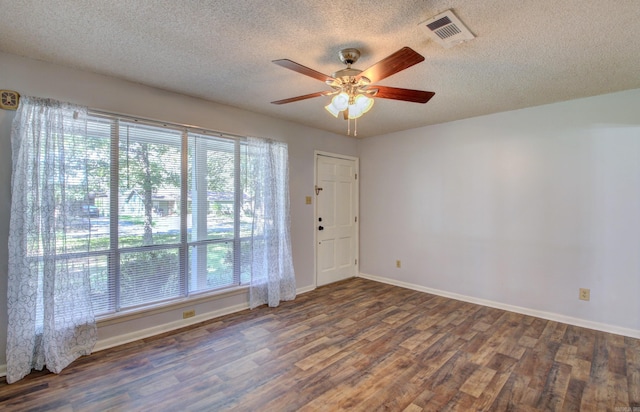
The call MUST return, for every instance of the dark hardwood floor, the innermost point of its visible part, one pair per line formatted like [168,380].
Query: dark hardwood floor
[353,345]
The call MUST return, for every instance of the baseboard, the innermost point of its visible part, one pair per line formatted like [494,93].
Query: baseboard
[305,289]
[167,327]
[180,323]
[156,330]
[556,317]
[146,333]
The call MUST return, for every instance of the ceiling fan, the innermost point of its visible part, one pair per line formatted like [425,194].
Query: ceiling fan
[353,90]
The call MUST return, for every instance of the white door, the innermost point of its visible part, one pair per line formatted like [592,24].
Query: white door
[336,218]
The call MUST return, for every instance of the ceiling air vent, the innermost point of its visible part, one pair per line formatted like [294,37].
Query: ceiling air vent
[447,29]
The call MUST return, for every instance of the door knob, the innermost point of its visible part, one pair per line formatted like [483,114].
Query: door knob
[320,227]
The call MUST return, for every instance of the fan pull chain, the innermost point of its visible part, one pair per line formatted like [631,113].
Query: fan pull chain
[355,127]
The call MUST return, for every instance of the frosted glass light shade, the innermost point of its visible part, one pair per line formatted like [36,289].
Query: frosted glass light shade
[332,109]
[340,101]
[360,106]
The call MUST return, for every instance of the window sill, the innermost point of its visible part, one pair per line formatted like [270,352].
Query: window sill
[127,315]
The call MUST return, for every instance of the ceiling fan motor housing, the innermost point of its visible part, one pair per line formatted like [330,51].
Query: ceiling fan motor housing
[345,80]
[349,56]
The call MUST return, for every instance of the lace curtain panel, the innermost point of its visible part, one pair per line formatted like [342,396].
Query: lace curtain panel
[51,321]
[272,274]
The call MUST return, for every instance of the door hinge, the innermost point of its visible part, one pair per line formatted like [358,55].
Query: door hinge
[356,176]
[356,261]
[356,219]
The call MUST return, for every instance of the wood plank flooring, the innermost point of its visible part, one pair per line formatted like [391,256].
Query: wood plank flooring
[354,345]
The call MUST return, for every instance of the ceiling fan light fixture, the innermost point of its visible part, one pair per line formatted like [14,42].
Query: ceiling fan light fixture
[360,106]
[364,102]
[340,101]
[354,112]
[332,109]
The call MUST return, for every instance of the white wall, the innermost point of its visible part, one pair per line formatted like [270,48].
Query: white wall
[30,77]
[516,210]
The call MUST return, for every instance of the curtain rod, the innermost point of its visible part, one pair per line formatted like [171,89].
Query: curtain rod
[153,122]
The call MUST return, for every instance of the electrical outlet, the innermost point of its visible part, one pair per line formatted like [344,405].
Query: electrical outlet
[398,264]
[585,294]
[307,200]
[188,314]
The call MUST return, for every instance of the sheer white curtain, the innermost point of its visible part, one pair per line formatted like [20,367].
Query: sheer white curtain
[272,275]
[51,321]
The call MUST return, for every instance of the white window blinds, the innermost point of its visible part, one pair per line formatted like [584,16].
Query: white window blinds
[170,214]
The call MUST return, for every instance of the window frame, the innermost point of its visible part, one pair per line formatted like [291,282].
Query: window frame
[114,252]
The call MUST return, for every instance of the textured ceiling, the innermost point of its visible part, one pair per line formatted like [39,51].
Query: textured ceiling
[526,53]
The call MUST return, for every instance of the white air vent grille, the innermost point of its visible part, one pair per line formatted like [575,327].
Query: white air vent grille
[447,29]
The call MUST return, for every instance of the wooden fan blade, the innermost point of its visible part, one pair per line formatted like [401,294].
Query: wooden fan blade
[296,67]
[304,97]
[408,95]
[392,64]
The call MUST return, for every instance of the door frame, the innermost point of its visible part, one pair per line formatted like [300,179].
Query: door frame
[356,160]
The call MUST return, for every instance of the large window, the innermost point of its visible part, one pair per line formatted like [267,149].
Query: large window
[167,214]
[109,214]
